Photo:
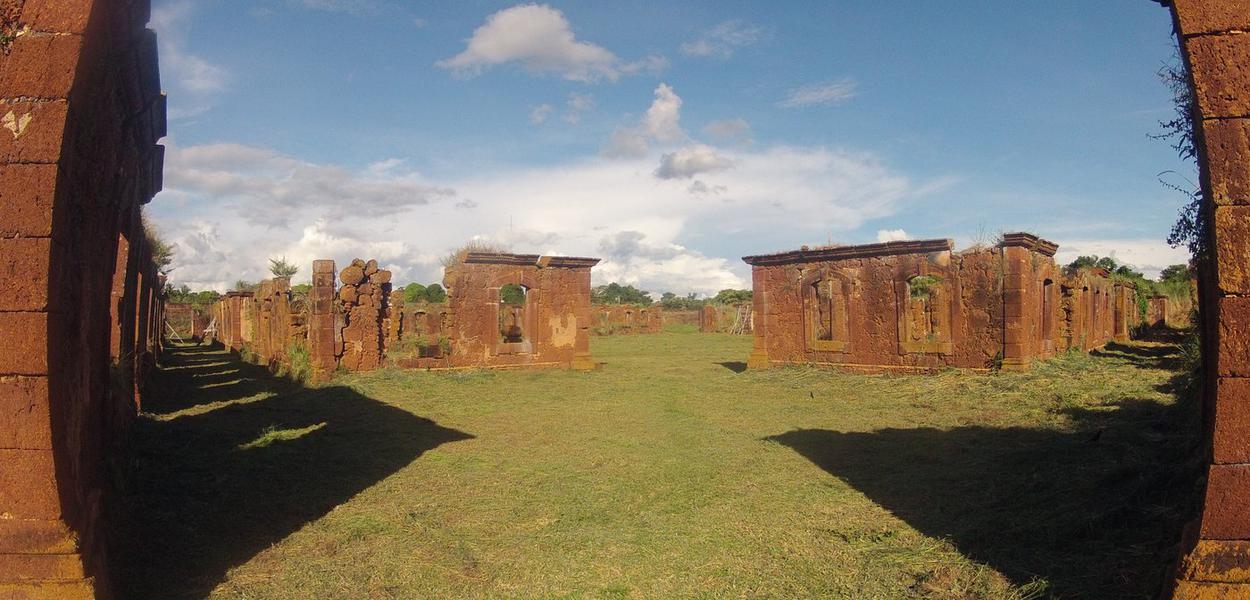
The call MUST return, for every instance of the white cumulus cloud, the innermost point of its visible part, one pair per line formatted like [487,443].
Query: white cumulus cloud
[690,161]
[265,187]
[661,123]
[892,235]
[541,40]
[194,81]
[1147,255]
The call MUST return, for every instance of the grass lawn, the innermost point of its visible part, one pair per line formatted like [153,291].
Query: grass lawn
[670,473]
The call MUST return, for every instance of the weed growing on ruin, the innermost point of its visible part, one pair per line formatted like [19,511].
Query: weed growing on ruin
[922,287]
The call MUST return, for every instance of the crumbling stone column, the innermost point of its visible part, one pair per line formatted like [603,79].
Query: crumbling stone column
[363,300]
[394,319]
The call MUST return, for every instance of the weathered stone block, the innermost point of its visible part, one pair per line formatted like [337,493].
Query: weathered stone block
[1228,159]
[24,269]
[1200,590]
[1226,515]
[1204,16]
[60,16]
[1232,421]
[40,567]
[28,487]
[36,536]
[1221,72]
[1232,248]
[31,132]
[40,66]
[26,352]
[26,193]
[1234,335]
[1217,562]
[352,275]
[24,405]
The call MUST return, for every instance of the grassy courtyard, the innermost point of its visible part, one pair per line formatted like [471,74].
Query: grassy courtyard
[670,473]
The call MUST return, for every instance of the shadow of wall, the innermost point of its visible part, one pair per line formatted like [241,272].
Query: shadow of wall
[209,494]
[1094,510]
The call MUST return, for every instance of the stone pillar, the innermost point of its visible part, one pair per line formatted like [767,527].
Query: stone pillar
[1016,282]
[759,320]
[707,319]
[582,361]
[321,320]
[1217,555]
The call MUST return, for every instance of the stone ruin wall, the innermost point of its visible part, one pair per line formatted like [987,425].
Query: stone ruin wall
[80,113]
[854,306]
[364,324]
[721,318]
[363,312]
[344,329]
[555,320]
[187,320]
[709,319]
[627,319]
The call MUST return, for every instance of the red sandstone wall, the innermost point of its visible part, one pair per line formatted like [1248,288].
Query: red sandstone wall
[1005,305]
[876,306]
[81,112]
[187,320]
[681,317]
[708,317]
[557,317]
[626,319]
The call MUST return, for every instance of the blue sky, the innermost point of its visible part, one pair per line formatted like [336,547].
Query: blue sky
[668,138]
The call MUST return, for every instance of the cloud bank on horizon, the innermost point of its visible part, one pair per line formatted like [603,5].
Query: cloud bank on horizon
[667,206]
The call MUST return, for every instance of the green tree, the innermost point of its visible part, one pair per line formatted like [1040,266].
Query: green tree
[162,251]
[1176,273]
[281,268]
[512,294]
[672,301]
[615,293]
[435,293]
[243,285]
[730,296]
[414,292]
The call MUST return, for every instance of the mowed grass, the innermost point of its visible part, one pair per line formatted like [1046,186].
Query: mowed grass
[670,473]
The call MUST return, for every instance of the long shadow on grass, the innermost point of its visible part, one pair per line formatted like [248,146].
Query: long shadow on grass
[1094,511]
[1147,357]
[214,487]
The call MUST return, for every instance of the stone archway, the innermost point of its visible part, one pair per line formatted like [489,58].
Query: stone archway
[1215,44]
[81,317]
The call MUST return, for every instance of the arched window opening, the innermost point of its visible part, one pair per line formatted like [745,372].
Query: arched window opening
[512,298]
